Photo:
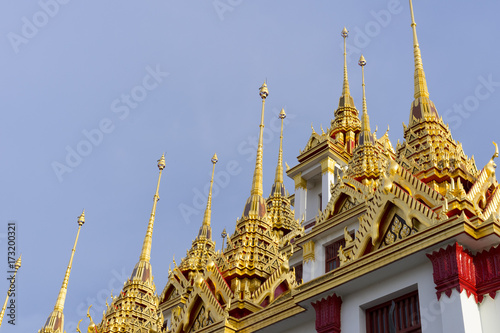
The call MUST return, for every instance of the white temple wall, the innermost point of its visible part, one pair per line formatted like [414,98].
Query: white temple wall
[305,327]
[312,203]
[460,313]
[300,203]
[354,304]
[315,269]
[489,310]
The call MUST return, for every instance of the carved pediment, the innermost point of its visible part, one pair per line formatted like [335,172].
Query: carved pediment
[202,320]
[398,229]
[402,206]
[315,140]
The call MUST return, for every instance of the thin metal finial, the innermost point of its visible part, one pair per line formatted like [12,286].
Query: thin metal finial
[346,99]
[366,134]
[64,288]
[263,92]
[258,177]
[161,162]
[255,205]
[81,218]
[345,87]
[278,179]
[148,239]
[420,82]
[208,210]
[55,321]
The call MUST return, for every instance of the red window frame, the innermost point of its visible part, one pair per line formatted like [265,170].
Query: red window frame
[405,312]
[298,272]
[332,259]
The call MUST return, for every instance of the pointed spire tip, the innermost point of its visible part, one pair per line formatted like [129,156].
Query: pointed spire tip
[362,61]
[282,114]
[263,91]
[18,262]
[344,33]
[81,218]
[161,162]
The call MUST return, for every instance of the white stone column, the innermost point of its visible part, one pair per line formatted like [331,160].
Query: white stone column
[300,196]
[327,177]
[490,313]
[460,313]
[454,277]
[309,261]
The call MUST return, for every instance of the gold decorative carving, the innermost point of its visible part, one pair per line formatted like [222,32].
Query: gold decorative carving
[300,183]
[308,251]
[327,165]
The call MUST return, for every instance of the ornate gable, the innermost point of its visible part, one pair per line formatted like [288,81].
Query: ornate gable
[344,195]
[314,141]
[398,229]
[400,207]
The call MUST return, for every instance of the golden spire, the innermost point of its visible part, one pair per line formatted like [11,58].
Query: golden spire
[255,205]
[64,288]
[205,229]
[138,297]
[345,99]
[257,176]
[148,240]
[203,247]
[17,266]
[279,169]
[345,87]
[55,322]
[366,133]
[419,77]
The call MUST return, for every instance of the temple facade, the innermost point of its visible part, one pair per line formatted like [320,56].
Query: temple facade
[374,239]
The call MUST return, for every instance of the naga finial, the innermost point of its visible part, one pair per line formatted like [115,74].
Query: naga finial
[90,317]
[496,151]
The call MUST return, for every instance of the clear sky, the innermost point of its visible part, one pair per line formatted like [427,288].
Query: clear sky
[93,92]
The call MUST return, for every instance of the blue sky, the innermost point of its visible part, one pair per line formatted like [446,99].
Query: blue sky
[120,82]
